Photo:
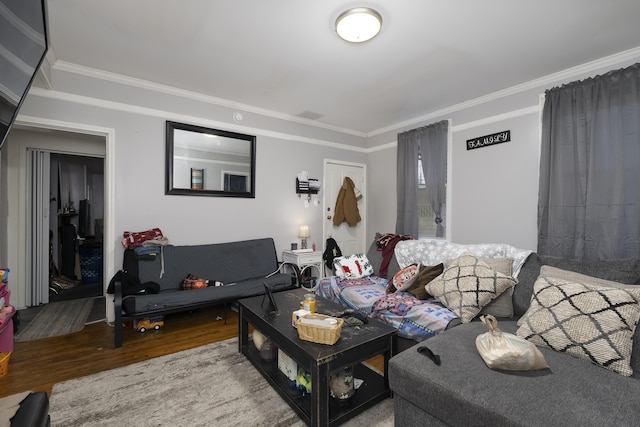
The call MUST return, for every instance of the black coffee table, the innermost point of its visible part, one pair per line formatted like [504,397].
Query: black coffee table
[354,346]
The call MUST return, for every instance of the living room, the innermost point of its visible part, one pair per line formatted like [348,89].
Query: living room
[127,115]
[130,115]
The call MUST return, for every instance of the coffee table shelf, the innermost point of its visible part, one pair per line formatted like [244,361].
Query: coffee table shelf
[370,392]
[354,347]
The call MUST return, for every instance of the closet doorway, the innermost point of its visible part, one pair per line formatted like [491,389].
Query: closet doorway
[66,213]
[76,226]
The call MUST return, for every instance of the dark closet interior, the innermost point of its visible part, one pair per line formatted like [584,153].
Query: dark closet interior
[75,235]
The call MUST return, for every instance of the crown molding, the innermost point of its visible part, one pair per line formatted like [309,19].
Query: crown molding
[165,115]
[534,109]
[170,90]
[551,79]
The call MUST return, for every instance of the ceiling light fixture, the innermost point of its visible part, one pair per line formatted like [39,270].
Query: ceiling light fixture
[358,24]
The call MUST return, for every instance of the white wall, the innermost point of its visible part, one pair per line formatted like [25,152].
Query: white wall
[494,190]
[382,192]
[496,187]
[137,130]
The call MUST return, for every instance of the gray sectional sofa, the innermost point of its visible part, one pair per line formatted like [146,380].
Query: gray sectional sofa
[150,286]
[463,391]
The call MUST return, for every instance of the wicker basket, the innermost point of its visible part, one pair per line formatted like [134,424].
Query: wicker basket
[4,363]
[320,334]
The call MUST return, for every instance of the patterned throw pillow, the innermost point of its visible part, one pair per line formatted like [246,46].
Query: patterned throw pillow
[403,279]
[590,322]
[425,275]
[352,266]
[467,285]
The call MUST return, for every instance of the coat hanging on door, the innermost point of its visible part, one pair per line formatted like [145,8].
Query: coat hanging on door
[347,204]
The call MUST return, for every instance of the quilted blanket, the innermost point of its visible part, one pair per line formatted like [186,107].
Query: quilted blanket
[413,318]
[433,252]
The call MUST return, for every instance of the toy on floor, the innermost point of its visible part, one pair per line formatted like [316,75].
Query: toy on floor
[143,324]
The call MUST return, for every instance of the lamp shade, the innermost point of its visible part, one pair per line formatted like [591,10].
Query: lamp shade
[358,24]
[303,232]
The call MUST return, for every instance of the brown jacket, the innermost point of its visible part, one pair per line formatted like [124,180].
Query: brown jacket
[346,205]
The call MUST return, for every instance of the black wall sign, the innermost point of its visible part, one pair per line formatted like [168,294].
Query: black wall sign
[487,140]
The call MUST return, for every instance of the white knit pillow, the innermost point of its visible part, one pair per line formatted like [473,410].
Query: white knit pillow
[352,266]
[590,322]
[467,285]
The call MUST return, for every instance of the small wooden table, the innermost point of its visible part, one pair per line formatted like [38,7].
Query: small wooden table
[354,347]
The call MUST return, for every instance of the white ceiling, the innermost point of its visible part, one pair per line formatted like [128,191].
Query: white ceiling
[284,55]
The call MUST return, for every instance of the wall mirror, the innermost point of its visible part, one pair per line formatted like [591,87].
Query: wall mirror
[209,162]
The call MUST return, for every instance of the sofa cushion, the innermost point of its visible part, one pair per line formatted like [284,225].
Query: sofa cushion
[588,321]
[225,262]
[463,391]
[165,300]
[572,276]
[524,289]
[467,285]
[355,266]
[425,275]
[502,306]
[404,279]
[625,271]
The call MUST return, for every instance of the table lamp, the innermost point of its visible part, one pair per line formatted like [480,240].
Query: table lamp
[303,233]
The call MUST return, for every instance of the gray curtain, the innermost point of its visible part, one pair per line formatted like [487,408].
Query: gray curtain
[589,201]
[407,168]
[429,142]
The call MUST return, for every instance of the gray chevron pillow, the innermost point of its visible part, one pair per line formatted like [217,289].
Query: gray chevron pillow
[588,321]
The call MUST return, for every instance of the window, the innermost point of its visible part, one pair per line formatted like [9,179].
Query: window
[421,181]
[421,191]
[427,226]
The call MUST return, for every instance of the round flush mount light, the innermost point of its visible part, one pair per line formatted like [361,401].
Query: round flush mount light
[358,24]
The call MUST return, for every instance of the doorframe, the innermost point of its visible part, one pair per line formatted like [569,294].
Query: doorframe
[363,213]
[30,122]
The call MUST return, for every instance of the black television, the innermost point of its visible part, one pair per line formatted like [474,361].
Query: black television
[23,46]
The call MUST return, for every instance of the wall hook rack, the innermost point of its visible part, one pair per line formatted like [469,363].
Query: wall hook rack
[307,187]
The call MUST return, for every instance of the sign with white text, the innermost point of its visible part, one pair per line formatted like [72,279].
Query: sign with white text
[487,140]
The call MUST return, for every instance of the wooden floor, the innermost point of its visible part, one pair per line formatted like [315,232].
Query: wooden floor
[38,365]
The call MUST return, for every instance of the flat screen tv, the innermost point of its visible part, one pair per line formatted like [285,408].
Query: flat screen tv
[23,45]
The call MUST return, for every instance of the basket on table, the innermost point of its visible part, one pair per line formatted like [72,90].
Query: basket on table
[319,334]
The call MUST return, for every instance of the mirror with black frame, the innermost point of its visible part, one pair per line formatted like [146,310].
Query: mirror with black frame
[209,162]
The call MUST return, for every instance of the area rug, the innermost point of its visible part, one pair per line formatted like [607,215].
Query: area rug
[212,385]
[57,318]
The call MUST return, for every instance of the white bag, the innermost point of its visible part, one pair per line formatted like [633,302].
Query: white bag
[508,352]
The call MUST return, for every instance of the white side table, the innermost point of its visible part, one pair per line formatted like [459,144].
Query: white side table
[305,260]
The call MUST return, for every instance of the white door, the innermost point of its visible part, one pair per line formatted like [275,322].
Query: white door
[351,240]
